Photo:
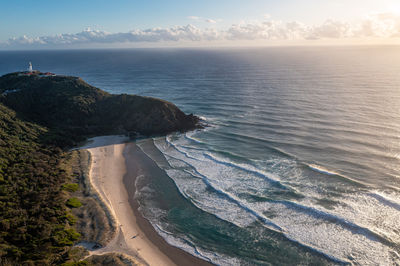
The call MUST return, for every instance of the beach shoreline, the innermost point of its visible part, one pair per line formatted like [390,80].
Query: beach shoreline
[114,167]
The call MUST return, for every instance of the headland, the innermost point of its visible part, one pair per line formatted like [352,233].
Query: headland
[43,116]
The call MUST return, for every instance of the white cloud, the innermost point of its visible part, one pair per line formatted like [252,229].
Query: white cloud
[330,29]
[194,17]
[384,25]
[208,20]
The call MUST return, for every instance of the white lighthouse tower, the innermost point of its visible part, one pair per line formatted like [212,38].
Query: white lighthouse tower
[30,69]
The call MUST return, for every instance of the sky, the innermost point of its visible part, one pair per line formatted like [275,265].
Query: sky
[47,24]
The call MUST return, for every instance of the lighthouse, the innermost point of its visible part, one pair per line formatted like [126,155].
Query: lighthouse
[30,69]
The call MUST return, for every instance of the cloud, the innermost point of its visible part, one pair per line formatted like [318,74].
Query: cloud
[211,21]
[382,25]
[88,36]
[208,20]
[330,29]
[194,17]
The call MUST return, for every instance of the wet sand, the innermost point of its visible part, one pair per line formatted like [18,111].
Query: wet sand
[114,169]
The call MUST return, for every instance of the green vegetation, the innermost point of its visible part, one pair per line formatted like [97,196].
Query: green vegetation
[73,110]
[75,255]
[71,187]
[32,207]
[66,237]
[73,203]
[39,120]
[78,263]
[71,218]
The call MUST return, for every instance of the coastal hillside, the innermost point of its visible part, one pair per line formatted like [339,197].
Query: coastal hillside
[40,118]
[33,221]
[69,106]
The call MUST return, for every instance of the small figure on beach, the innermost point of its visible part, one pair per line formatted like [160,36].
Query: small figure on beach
[135,236]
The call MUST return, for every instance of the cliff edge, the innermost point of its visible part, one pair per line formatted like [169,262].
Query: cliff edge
[41,116]
[69,105]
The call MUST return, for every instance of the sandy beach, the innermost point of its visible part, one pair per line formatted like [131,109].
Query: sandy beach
[115,166]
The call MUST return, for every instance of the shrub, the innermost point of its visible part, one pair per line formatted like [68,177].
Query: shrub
[66,237]
[78,263]
[71,218]
[72,187]
[73,203]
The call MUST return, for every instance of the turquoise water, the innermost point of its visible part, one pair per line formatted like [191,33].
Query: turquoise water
[299,164]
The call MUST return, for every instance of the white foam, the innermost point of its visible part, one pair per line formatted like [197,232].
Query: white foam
[185,244]
[190,137]
[322,169]
[203,118]
[346,232]
[267,176]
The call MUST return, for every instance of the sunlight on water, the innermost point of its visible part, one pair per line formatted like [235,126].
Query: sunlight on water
[300,163]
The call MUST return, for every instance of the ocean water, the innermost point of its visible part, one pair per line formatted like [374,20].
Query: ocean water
[300,163]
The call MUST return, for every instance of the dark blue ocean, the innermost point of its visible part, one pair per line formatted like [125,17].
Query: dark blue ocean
[300,163]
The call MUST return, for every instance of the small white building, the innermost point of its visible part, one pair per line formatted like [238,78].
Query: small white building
[30,69]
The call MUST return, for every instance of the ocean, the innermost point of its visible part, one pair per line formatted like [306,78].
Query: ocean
[299,163]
